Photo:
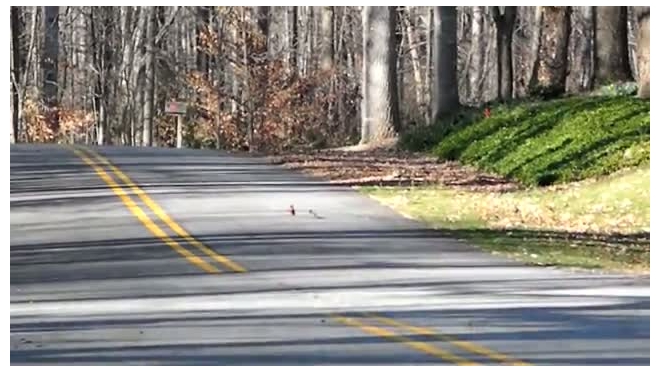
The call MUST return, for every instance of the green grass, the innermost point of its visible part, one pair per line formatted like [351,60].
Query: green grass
[601,223]
[547,142]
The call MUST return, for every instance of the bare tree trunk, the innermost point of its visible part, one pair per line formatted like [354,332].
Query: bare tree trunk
[246,83]
[382,116]
[150,75]
[445,83]
[504,23]
[581,50]
[366,50]
[353,50]
[263,20]
[293,39]
[549,75]
[611,45]
[202,26]
[127,50]
[644,51]
[16,69]
[220,80]
[37,68]
[49,65]
[138,131]
[235,84]
[104,63]
[429,64]
[81,79]
[414,56]
[327,38]
[309,35]
[477,54]
[400,43]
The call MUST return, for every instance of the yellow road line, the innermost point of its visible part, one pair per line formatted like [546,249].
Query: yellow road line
[178,229]
[416,345]
[465,345]
[144,218]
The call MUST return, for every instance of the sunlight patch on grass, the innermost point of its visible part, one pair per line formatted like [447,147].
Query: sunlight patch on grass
[601,223]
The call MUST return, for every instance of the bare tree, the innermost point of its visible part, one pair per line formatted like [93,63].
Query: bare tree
[292,38]
[504,23]
[611,45]
[49,64]
[413,43]
[202,27]
[428,76]
[550,70]
[581,49]
[263,20]
[327,38]
[477,54]
[150,74]
[381,114]
[445,83]
[16,68]
[644,51]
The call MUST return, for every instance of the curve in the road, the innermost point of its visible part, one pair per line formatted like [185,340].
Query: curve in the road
[97,161]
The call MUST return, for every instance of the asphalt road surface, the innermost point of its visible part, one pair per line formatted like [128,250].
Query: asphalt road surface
[165,256]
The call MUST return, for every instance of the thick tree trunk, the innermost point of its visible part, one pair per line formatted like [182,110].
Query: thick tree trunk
[150,76]
[445,82]
[611,45]
[644,51]
[327,38]
[477,55]
[549,75]
[581,49]
[380,91]
[49,65]
[504,23]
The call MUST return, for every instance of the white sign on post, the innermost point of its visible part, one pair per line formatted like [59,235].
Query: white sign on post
[178,109]
[175,108]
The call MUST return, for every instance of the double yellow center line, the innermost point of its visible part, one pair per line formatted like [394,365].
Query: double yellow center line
[89,157]
[390,329]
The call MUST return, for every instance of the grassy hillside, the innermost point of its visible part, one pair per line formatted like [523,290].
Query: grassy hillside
[601,223]
[590,154]
[543,143]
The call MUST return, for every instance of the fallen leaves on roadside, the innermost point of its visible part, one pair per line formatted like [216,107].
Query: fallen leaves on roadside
[391,167]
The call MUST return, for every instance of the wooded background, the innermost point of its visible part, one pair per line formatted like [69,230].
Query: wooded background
[277,78]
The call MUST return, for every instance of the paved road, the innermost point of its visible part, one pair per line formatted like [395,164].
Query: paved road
[164,256]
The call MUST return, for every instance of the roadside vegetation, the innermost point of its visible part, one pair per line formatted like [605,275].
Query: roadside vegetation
[582,164]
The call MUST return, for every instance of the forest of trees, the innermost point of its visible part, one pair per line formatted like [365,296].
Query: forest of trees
[275,78]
